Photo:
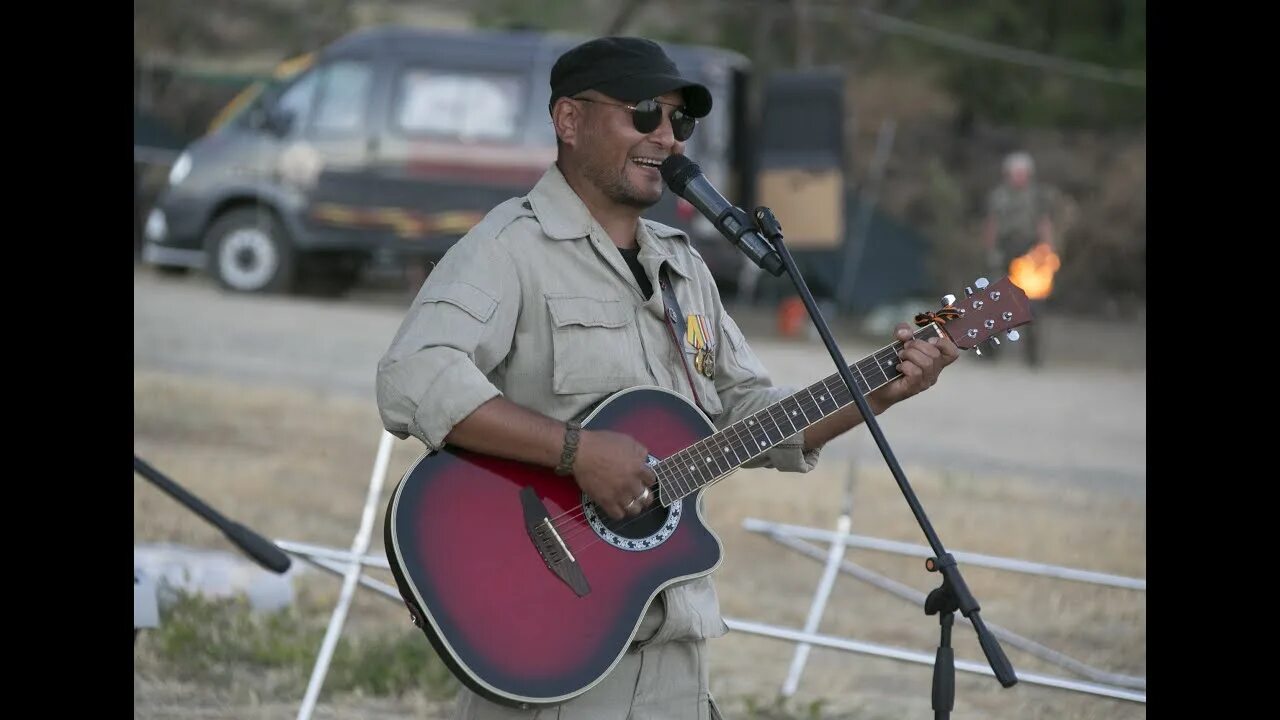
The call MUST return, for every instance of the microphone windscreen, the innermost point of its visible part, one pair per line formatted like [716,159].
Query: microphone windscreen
[677,171]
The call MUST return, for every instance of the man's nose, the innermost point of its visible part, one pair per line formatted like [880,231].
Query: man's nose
[664,135]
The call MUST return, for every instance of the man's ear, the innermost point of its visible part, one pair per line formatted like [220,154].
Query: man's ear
[566,116]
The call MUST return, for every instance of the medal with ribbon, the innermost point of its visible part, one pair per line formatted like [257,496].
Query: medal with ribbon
[699,336]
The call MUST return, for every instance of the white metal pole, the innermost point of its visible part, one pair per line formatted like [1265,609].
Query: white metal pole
[923,659]
[819,604]
[1014,565]
[358,548]
[834,556]
[340,570]
[918,598]
[343,556]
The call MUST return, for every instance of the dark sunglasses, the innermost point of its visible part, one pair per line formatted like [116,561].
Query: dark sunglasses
[646,115]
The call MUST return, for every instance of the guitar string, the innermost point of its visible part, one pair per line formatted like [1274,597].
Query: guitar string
[586,529]
[571,528]
[573,516]
[568,523]
[596,539]
[578,512]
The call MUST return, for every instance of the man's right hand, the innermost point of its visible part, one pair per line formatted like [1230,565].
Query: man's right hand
[610,468]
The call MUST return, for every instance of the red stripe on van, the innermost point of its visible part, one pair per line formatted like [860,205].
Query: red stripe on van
[482,164]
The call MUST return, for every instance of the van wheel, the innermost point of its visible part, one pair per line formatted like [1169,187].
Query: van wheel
[249,251]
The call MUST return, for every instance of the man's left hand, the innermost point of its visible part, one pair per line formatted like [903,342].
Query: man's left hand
[921,363]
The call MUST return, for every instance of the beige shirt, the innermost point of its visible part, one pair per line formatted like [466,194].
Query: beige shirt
[536,303]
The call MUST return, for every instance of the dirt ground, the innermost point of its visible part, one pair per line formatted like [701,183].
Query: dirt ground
[1045,466]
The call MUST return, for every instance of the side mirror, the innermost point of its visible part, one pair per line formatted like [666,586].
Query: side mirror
[279,121]
[269,118]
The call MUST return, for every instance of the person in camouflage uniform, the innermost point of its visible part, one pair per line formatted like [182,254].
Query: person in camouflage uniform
[1020,215]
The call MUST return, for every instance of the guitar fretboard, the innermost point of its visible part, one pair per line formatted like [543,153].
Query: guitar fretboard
[714,457]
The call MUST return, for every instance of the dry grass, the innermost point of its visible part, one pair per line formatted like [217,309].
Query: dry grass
[294,464]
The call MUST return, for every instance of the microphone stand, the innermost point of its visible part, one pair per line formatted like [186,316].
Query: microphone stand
[263,551]
[953,594]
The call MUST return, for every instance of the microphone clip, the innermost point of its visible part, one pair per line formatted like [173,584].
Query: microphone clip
[736,221]
[767,224]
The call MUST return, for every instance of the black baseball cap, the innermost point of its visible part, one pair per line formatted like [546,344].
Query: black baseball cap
[630,69]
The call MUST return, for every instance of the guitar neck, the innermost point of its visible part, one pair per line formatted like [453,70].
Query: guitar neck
[714,457]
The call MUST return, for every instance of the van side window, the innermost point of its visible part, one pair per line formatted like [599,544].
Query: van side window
[465,106]
[343,97]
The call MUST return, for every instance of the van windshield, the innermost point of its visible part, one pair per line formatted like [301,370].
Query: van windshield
[252,95]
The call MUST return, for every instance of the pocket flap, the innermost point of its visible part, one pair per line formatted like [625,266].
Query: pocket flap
[589,312]
[478,303]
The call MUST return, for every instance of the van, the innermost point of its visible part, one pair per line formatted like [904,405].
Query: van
[387,146]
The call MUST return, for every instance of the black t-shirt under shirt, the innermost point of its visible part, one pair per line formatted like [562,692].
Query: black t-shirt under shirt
[632,256]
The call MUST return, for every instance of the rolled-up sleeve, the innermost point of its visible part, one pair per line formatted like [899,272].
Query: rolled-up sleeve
[744,387]
[459,328]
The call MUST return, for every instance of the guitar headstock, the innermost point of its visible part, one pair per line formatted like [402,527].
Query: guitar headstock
[986,310]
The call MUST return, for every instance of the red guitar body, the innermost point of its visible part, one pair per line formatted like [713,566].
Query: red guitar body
[508,626]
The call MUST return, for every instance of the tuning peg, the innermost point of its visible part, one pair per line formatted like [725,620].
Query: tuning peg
[948,299]
[968,291]
[1013,335]
[981,283]
[995,340]
[977,350]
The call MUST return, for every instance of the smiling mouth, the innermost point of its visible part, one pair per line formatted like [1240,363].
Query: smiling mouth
[646,162]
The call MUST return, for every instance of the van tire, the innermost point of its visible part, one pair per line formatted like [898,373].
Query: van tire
[250,251]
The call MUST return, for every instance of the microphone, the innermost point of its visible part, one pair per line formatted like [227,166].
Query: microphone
[685,179]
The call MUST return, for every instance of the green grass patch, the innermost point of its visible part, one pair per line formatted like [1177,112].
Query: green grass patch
[215,639]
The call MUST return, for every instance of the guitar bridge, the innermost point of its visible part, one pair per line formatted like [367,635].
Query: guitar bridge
[550,545]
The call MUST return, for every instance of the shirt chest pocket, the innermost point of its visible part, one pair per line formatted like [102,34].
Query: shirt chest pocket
[595,345]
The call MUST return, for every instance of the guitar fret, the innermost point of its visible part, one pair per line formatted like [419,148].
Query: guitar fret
[840,393]
[696,471]
[678,481]
[878,363]
[781,435]
[813,408]
[886,362]
[686,484]
[688,472]
[834,385]
[750,429]
[725,446]
[777,410]
[793,413]
[709,455]
[746,434]
[756,432]
[799,407]
[865,387]
[866,366]
[767,426]
[772,436]
[742,438]
[668,485]
[683,484]
[823,399]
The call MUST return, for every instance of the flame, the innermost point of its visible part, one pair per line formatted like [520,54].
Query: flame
[1034,271]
